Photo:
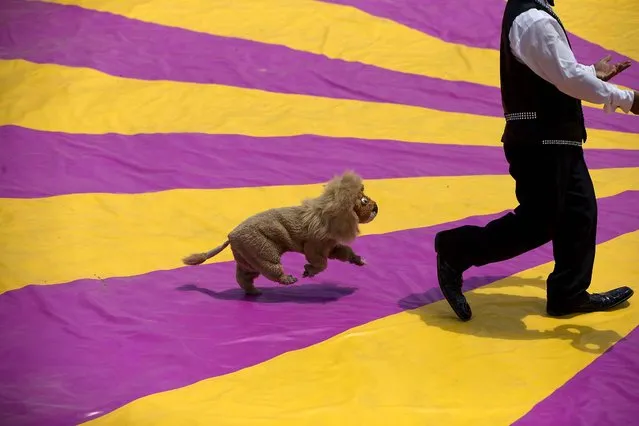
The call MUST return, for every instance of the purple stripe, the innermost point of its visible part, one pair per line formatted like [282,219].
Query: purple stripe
[39,164]
[476,24]
[72,36]
[604,393]
[87,346]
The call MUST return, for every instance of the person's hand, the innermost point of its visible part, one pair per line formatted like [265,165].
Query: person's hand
[635,104]
[605,71]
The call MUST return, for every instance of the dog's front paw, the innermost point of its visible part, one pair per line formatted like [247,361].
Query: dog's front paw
[308,271]
[358,260]
[288,280]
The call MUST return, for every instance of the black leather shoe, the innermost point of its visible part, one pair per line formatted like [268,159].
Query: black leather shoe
[450,283]
[596,302]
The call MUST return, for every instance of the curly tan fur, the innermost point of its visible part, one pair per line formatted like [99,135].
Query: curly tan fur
[320,228]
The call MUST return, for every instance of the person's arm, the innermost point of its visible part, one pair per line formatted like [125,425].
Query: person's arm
[539,42]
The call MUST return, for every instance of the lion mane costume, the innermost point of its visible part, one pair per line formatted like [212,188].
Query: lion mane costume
[320,228]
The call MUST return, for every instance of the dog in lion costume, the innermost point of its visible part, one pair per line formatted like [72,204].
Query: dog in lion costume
[320,228]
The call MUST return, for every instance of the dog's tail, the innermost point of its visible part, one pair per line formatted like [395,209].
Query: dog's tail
[197,258]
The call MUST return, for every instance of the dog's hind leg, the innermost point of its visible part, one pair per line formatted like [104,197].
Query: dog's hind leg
[245,278]
[262,256]
[245,275]
[275,272]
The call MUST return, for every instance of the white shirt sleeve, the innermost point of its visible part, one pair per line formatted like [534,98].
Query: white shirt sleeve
[538,41]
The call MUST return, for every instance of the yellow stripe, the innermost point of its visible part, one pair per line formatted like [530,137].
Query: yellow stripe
[332,30]
[80,100]
[335,31]
[612,24]
[60,239]
[415,368]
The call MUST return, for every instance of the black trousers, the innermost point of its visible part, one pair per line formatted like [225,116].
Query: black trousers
[556,203]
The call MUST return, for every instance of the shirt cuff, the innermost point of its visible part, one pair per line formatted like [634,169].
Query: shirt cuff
[630,99]
[624,100]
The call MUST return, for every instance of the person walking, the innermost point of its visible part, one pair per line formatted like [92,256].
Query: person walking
[542,86]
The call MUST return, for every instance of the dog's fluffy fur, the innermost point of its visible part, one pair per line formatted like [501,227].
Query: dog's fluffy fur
[320,228]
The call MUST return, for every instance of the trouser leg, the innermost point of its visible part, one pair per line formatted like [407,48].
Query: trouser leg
[574,244]
[541,177]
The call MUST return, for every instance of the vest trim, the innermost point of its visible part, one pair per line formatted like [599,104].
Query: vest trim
[561,142]
[521,116]
[549,10]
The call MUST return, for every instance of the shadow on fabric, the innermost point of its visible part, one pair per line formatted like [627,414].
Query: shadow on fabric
[501,316]
[307,293]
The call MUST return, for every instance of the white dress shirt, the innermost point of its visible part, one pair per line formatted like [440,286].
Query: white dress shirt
[538,41]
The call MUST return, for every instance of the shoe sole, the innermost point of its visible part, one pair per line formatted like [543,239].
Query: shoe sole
[632,292]
[451,300]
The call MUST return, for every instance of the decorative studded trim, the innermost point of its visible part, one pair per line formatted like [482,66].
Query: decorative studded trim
[548,9]
[521,116]
[561,142]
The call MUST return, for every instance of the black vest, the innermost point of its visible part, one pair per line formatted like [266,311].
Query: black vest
[536,111]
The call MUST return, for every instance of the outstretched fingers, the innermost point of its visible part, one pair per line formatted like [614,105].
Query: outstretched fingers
[616,69]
